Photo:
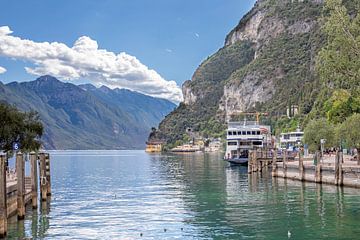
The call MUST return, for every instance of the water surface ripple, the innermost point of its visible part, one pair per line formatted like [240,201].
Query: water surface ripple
[134,195]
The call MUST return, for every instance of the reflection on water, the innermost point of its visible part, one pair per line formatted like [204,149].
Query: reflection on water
[133,195]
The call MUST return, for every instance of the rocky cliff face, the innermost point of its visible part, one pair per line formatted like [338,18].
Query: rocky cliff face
[267,63]
[273,28]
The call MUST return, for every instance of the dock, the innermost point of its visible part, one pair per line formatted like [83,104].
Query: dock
[17,190]
[336,169]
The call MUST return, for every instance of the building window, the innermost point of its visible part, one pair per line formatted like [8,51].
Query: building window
[232,143]
[258,133]
[243,132]
[257,143]
[234,133]
[239,132]
[253,132]
[229,133]
[248,133]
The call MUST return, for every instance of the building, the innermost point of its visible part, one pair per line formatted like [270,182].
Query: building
[291,139]
[154,146]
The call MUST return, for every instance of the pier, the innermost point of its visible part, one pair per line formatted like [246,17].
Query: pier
[336,170]
[18,190]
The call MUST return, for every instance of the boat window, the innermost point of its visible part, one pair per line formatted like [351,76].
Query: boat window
[239,132]
[232,143]
[234,133]
[286,136]
[243,132]
[248,133]
[229,133]
[258,133]
[257,143]
[299,134]
[253,132]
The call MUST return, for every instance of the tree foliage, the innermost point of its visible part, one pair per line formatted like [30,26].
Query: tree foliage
[341,105]
[16,126]
[338,62]
[348,131]
[319,129]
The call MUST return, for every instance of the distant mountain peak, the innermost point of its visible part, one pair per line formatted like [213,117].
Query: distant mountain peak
[87,87]
[47,78]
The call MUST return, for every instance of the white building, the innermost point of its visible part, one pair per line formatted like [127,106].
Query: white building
[291,139]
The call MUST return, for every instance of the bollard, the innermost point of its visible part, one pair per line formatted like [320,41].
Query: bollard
[43,180]
[3,197]
[34,179]
[20,185]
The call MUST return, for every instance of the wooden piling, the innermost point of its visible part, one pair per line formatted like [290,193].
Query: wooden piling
[34,180]
[250,163]
[318,172]
[20,172]
[48,175]
[337,160]
[284,163]
[43,180]
[274,165]
[3,197]
[341,175]
[301,168]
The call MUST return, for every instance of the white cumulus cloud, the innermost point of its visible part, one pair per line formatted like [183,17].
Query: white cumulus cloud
[85,60]
[2,70]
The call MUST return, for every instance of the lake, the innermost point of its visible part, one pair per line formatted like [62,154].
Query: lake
[134,195]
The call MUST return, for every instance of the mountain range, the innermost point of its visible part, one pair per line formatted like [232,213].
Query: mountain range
[87,117]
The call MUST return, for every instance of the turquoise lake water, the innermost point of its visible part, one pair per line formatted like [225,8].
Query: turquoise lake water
[134,195]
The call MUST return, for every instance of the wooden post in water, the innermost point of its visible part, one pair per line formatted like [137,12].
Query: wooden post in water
[337,159]
[20,172]
[341,176]
[48,177]
[3,197]
[43,180]
[274,165]
[249,163]
[318,172]
[34,180]
[301,167]
[284,163]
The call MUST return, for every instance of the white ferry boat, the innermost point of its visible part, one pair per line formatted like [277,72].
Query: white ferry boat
[244,136]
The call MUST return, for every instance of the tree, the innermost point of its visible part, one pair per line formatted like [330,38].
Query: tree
[16,126]
[348,131]
[338,62]
[340,106]
[319,129]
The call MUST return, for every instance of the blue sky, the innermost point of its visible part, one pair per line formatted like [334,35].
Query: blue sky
[171,37]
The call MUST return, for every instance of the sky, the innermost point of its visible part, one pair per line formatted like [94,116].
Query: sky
[149,46]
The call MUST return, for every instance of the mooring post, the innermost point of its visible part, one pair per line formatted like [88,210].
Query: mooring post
[341,176]
[318,172]
[284,163]
[250,163]
[43,180]
[301,167]
[274,165]
[34,180]
[337,167]
[3,197]
[20,173]
[48,176]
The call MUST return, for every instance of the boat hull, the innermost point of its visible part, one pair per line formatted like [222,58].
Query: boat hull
[238,161]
